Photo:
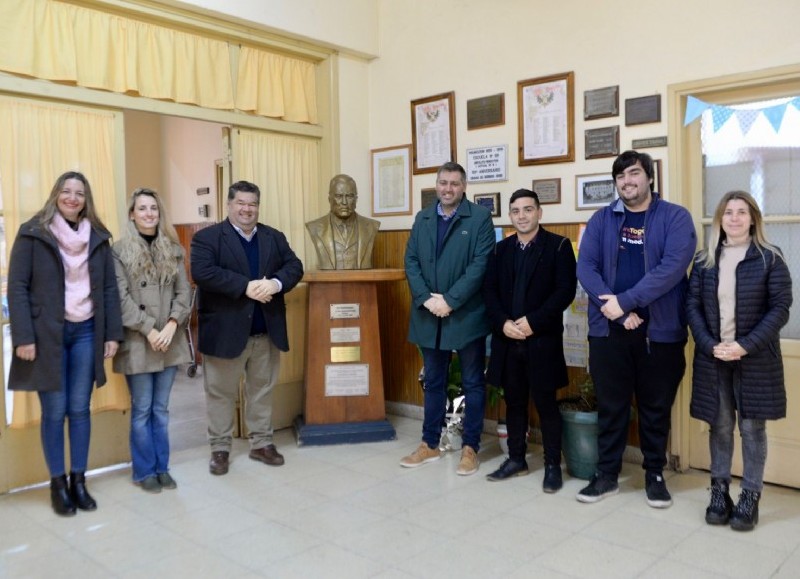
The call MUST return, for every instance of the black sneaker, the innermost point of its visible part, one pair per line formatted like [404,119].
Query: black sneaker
[658,496]
[509,468]
[599,488]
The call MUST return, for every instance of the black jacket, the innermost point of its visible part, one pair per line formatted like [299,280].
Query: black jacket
[550,290]
[36,305]
[763,298]
[221,272]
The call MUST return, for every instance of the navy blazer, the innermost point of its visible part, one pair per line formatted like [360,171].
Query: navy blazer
[550,290]
[221,272]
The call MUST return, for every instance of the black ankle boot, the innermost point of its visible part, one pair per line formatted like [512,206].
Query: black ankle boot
[721,505]
[77,491]
[59,496]
[745,514]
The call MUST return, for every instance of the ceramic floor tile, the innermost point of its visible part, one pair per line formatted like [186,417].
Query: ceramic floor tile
[268,542]
[352,511]
[720,550]
[514,536]
[625,529]
[448,558]
[194,562]
[790,568]
[329,519]
[327,561]
[208,526]
[337,483]
[669,569]
[64,563]
[587,557]
[387,541]
[123,551]
[389,498]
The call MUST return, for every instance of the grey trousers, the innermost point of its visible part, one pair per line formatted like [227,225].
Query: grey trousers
[752,431]
[259,363]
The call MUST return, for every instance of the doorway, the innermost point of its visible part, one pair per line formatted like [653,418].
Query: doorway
[710,157]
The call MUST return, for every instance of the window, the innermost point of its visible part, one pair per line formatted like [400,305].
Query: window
[745,152]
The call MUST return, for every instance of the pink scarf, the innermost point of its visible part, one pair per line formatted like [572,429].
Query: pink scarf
[74,248]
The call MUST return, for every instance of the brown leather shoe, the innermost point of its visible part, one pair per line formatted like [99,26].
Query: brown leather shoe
[268,455]
[219,462]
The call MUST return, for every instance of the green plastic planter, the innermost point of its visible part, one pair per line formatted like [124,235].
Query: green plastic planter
[579,443]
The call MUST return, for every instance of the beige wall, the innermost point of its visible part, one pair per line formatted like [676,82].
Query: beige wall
[478,48]
[143,152]
[190,149]
[348,25]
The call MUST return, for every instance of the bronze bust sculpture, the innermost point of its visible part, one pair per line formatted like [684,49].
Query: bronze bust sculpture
[343,238]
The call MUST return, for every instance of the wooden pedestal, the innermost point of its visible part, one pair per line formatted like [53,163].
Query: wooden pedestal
[332,419]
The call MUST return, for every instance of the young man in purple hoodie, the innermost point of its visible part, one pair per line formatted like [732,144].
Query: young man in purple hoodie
[632,263]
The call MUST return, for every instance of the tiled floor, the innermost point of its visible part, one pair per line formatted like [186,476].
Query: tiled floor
[351,511]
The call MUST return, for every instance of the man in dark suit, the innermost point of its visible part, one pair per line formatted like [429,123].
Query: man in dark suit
[530,281]
[242,270]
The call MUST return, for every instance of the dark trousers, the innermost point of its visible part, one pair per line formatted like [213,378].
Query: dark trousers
[518,390]
[622,365]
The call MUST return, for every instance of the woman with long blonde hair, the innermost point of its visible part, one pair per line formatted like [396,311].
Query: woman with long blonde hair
[155,295]
[740,292]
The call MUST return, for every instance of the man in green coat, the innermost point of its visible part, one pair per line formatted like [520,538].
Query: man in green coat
[445,262]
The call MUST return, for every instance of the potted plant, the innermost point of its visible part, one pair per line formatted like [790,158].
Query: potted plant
[579,436]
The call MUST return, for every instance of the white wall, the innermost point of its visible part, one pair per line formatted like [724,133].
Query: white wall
[190,149]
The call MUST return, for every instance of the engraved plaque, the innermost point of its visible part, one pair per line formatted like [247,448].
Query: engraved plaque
[345,353]
[601,102]
[345,311]
[346,379]
[340,335]
[649,143]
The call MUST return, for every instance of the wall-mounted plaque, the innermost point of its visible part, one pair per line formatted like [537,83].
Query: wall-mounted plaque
[487,111]
[600,103]
[345,353]
[345,311]
[428,197]
[346,379]
[649,143]
[341,335]
[487,164]
[548,190]
[642,110]
[602,142]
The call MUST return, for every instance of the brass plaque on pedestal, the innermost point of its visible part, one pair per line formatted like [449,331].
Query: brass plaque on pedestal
[345,311]
[345,353]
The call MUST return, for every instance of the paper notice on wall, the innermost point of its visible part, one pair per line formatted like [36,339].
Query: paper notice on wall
[576,344]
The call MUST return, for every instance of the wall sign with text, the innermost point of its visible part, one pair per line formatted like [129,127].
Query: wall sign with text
[487,164]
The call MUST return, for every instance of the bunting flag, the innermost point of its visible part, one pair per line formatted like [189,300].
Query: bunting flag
[746,117]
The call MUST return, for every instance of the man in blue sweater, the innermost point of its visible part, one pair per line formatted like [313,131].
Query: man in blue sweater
[632,263]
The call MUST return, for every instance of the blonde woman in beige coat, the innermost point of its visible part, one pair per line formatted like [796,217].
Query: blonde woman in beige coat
[155,296]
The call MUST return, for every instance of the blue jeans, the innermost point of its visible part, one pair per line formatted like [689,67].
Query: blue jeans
[150,421]
[473,382]
[753,432]
[70,401]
